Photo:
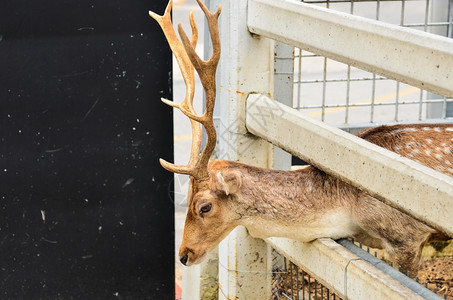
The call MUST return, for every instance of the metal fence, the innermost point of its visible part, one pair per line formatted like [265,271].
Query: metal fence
[289,281]
[353,99]
[335,93]
[349,97]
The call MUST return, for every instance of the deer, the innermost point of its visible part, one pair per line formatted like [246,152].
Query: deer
[304,204]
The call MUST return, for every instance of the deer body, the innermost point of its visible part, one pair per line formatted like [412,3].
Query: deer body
[294,204]
[306,204]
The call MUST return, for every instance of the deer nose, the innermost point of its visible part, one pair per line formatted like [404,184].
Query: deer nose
[183,259]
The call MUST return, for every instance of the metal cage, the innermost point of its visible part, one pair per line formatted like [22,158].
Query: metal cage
[353,99]
[348,97]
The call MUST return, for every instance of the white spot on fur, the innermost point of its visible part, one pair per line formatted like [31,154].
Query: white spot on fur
[415,151]
[429,141]
[426,128]
[449,129]
[398,148]
[437,129]
[439,156]
[450,170]
[447,150]
[409,145]
[428,152]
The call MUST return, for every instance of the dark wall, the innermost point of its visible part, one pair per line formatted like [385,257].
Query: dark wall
[85,211]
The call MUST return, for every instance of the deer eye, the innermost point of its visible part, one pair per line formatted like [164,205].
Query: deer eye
[205,208]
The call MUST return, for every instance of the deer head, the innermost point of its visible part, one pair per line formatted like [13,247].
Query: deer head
[204,227]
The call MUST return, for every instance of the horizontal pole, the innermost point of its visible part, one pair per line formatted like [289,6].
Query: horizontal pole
[402,183]
[417,58]
[384,267]
[341,271]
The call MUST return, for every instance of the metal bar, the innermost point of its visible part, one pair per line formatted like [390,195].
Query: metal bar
[348,83]
[403,6]
[283,92]
[373,88]
[286,275]
[373,98]
[343,1]
[340,80]
[299,78]
[450,19]
[420,59]
[407,102]
[398,181]
[379,264]
[291,279]
[397,99]
[324,86]
[342,271]
[430,24]
[346,1]
[348,94]
[303,285]
[297,283]
[378,6]
[425,25]
[420,106]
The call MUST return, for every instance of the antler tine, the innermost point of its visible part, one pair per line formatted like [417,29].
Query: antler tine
[186,67]
[187,60]
[179,51]
[206,71]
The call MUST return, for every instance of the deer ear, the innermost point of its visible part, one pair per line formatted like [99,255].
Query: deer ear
[230,182]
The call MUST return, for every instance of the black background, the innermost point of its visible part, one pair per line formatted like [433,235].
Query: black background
[85,211]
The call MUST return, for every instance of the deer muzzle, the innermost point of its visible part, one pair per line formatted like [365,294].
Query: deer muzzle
[188,257]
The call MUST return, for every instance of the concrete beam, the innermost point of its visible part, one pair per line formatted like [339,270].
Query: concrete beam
[342,271]
[400,182]
[417,58]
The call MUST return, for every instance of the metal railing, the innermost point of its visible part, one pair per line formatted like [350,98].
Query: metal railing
[345,108]
[382,99]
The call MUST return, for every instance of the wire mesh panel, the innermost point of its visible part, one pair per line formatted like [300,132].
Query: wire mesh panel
[346,96]
[291,282]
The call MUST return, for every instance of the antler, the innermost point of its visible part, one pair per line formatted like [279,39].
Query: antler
[187,59]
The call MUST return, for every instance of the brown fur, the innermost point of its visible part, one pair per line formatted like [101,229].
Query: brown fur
[309,204]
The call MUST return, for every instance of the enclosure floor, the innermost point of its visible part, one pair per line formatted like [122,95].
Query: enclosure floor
[438,272]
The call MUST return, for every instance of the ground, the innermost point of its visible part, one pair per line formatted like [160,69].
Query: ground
[438,273]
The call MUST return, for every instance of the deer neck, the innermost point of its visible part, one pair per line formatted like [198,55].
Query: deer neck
[304,204]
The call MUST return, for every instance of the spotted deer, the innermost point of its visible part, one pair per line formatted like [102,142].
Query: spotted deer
[305,204]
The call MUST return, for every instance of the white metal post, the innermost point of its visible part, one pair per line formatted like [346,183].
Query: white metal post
[246,66]
[438,13]
[283,86]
